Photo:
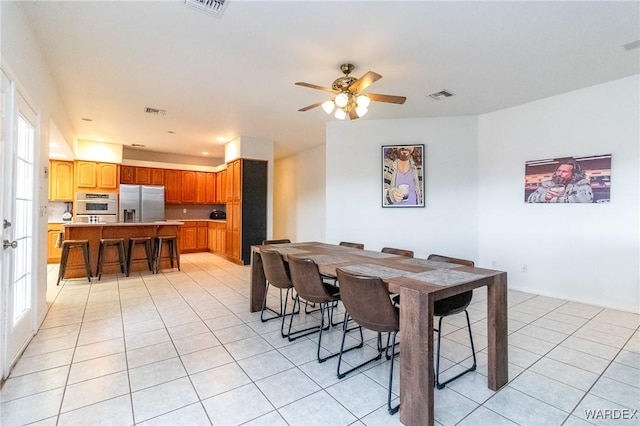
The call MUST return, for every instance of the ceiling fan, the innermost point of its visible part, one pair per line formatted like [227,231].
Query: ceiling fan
[349,100]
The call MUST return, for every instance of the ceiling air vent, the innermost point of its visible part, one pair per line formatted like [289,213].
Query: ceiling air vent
[212,7]
[441,95]
[155,111]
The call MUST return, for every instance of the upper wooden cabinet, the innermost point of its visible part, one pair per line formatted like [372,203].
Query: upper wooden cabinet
[172,186]
[90,175]
[210,188]
[221,187]
[188,186]
[61,180]
[141,175]
[157,176]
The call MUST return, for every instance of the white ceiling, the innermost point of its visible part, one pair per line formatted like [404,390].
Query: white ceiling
[234,75]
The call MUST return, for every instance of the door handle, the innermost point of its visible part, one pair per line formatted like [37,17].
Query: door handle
[6,244]
[5,223]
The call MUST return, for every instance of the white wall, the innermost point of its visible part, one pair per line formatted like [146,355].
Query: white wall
[24,63]
[446,225]
[586,253]
[299,196]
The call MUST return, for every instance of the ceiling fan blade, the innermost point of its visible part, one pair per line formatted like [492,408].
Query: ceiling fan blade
[386,98]
[364,82]
[307,108]
[313,86]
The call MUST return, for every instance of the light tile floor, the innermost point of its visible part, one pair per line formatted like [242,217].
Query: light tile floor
[181,348]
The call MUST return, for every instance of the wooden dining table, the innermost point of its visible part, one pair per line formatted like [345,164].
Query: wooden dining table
[420,282]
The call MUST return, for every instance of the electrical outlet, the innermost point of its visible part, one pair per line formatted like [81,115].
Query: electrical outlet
[523,268]
[184,211]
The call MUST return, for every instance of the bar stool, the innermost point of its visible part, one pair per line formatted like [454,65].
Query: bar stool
[147,248]
[106,243]
[67,245]
[172,242]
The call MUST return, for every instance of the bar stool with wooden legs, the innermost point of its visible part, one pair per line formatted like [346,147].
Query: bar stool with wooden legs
[106,243]
[172,243]
[68,245]
[133,241]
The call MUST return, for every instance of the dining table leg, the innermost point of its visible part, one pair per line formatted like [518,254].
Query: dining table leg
[416,357]
[497,332]
[258,283]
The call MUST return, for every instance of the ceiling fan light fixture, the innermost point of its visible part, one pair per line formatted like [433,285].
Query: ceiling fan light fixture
[328,107]
[340,114]
[363,101]
[342,100]
[361,111]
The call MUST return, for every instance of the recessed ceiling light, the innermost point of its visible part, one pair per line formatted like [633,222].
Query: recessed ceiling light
[221,139]
[205,153]
[87,119]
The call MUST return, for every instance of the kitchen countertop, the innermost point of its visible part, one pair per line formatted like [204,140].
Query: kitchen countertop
[163,222]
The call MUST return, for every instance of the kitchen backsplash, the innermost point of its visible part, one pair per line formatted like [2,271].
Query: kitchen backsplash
[171,211]
[56,209]
[176,212]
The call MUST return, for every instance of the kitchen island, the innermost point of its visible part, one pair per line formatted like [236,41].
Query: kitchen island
[93,232]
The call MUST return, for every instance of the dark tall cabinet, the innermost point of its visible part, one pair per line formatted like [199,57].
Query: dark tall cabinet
[246,207]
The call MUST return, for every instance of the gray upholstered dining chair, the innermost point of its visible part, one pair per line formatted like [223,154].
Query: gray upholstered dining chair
[277,276]
[367,302]
[311,288]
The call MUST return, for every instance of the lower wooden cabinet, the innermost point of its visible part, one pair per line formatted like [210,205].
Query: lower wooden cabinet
[193,237]
[53,252]
[217,237]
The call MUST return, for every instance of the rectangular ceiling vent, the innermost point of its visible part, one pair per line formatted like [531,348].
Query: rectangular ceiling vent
[212,7]
[155,111]
[441,95]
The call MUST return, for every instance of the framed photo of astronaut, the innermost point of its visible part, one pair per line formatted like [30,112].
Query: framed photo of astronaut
[568,180]
[402,176]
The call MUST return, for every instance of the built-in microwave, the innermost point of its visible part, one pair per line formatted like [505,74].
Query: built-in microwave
[91,203]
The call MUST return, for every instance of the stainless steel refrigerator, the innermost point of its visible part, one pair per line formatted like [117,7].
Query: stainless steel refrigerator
[141,203]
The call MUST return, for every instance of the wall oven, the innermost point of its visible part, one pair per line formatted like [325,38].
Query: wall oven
[102,205]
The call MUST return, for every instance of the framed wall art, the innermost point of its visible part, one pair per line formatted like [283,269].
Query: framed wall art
[402,176]
[568,180]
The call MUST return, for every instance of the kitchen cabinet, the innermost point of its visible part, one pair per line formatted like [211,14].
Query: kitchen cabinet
[61,180]
[157,176]
[53,252]
[201,187]
[221,187]
[141,175]
[247,209]
[193,237]
[210,188]
[172,186]
[217,237]
[90,175]
[188,189]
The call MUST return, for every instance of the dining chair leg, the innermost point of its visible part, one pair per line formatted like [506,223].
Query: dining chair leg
[441,385]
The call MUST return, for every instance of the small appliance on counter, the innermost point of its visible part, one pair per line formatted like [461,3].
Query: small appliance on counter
[218,215]
[67,216]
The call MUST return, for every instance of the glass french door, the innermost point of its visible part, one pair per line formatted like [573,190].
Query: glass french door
[17,206]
